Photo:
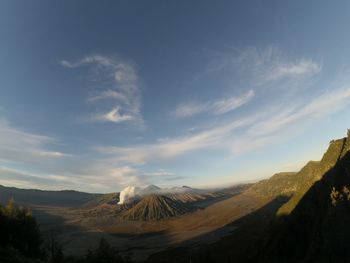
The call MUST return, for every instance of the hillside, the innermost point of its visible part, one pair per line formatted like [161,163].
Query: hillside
[317,229]
[314,171]
[279,184]
[156,207]
[295,185]
[66,198]
[111,198]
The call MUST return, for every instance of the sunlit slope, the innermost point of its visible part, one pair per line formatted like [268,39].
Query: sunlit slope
[318,226]
[297,184]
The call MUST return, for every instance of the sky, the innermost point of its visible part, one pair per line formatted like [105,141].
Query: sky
[99,95]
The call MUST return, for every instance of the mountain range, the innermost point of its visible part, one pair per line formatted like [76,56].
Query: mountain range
[30,197]
[298,216]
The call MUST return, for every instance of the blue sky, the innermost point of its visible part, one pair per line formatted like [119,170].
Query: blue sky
[98,95]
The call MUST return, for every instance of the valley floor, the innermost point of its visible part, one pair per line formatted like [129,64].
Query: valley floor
[78,231]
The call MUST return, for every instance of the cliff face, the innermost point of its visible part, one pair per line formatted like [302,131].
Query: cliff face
[314,171]
[317,226]
[279,184]
[295,185]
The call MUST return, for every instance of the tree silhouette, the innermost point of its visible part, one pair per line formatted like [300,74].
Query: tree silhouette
[19,231]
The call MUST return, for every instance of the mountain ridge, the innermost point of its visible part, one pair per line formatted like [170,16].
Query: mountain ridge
[317,229]
[296,184]
[64,198]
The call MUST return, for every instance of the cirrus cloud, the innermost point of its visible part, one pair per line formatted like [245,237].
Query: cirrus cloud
[217,107]
[17,145]
[123,96]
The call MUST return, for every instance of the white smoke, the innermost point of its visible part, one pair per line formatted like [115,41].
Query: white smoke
[127,194]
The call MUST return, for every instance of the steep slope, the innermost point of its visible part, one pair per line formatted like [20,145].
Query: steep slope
[317,230]
[314,171]
[156,207]
[279,184]
[295,185]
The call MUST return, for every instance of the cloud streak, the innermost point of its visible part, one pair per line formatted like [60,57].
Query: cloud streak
[167,149]
[114,116]
[113,178]
[289,121]
[262,128]
[261,67]
[20,146]
[299,68]
[123,96]
[218,107]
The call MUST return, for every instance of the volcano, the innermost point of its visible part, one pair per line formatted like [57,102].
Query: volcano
[156,207]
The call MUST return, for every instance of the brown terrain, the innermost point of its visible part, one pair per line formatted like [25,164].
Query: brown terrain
[231,224]
[153,224]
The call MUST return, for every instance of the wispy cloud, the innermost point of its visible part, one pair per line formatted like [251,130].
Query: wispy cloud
[24,179]
[284,122]
[20,146]
[59,170]
[110,180]
[167,149]
[299,68]
[262,128]
[216,107]
[114,116]
[123,95]
[243,133]
[270,64]
[230,104]
[189,109]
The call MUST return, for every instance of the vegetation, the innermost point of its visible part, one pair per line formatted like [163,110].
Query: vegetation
[314,172]
[104,253]
[316,229]
[22,242]
[279,184]
[295,185]
[20,235]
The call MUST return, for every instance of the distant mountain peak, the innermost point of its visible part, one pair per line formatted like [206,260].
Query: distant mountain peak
[152,186]
[150,189]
